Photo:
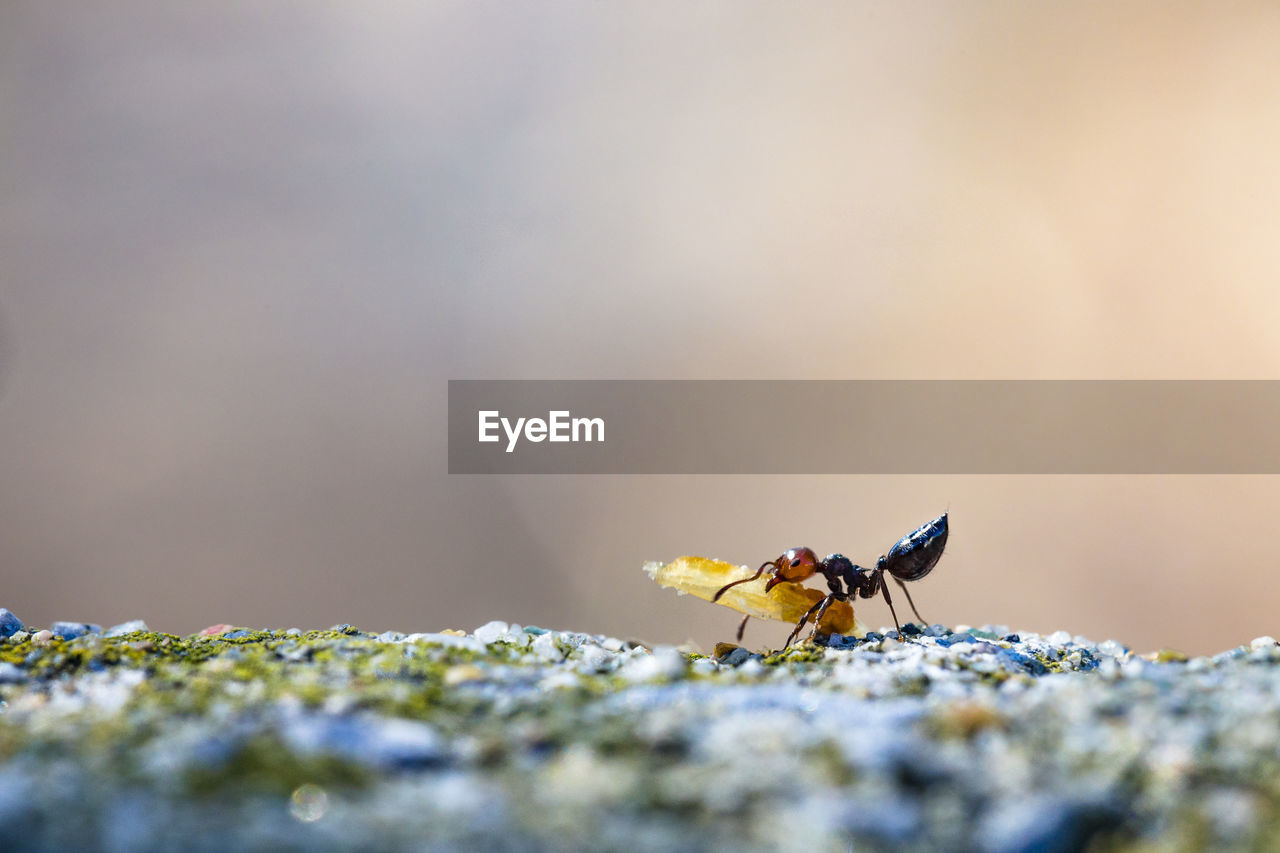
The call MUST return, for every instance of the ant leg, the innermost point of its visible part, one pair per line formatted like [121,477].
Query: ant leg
[742,626]
[817,619]
[888,599]
[907,593]
[805,618]
[758,573]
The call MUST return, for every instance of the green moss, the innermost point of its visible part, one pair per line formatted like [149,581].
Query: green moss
[807,652]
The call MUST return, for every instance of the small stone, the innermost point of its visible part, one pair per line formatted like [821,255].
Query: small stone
[702,666]
[20,637]
[42,638]
[491,632]
[1169,656]
[665,662]
[1011,638]
[544,646]
[1111,648]
[9,624]
[723,649]
[1263,642]
[215,630]
[130,627]
[595,659]
[1058,638]
[453,632]
[71,630]
[911,629]
[735,657]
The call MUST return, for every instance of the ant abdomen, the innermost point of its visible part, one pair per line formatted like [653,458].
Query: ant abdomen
[914,555]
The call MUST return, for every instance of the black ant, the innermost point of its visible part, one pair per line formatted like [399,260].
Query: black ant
[911,558]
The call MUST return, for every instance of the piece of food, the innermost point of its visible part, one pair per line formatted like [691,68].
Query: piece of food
[786,602]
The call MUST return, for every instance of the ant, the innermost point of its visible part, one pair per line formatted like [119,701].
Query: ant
[911,558]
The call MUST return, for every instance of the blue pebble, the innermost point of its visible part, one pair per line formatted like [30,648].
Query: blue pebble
[9,624]
[71,630]
[236,635]
[873,635]
[1011,638]
[534,629]
[956,638]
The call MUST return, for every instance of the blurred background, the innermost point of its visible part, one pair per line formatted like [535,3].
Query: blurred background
[243,247]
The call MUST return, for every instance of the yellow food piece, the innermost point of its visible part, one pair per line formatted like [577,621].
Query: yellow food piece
[786,602]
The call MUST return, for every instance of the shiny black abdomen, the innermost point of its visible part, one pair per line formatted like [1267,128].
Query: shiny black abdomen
[914,555]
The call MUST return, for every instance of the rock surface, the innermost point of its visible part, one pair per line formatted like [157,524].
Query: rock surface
[514,738]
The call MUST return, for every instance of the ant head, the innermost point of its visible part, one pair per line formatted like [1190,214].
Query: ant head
[796,565]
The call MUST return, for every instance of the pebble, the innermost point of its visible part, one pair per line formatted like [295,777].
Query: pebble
[41,638]
[665,662]
[130,627]
[215,630]
[736,657]
[544,646]
[491,632]
[9,623]
[71,630]
[1263,642]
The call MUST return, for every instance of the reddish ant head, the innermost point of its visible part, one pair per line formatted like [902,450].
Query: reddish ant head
[798,564]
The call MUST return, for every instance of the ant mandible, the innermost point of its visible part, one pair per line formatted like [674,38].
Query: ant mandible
[911,558]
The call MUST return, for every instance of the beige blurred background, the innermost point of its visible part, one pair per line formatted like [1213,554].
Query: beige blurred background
[243,247]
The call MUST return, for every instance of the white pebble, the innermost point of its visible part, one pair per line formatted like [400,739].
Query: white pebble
[491,632]
[1263,642]
[544,646]
[665,662]
[703,666]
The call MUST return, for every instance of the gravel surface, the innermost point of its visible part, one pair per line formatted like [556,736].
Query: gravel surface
[512,738]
